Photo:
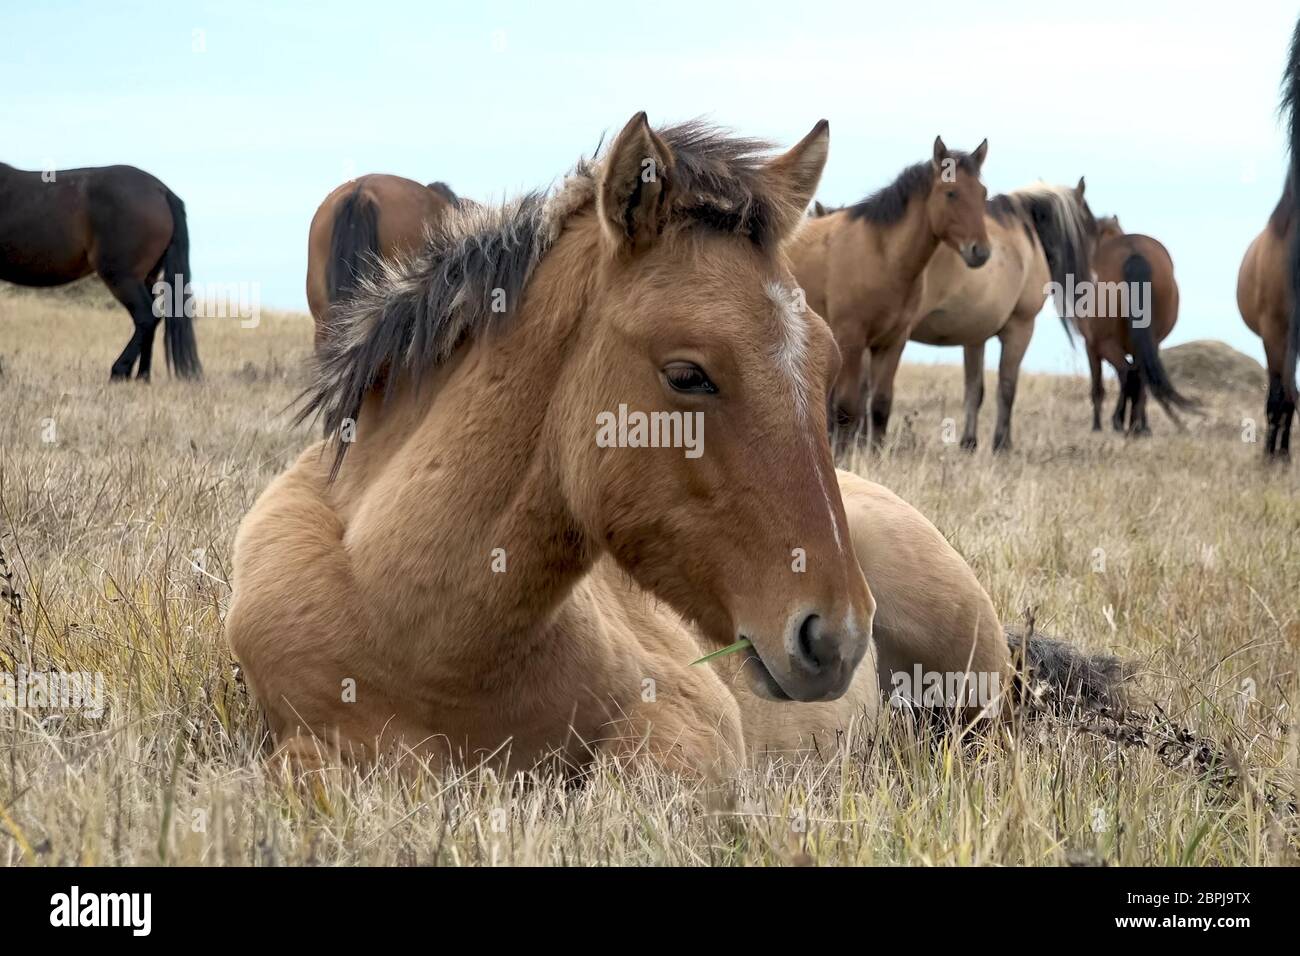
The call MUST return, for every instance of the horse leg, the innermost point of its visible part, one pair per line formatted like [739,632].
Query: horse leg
[1273,409]
[1125,375]
[973,358]
[1288,415]
[846,393]
[1113,352]
[884,366]
[1098,385]
[1015,336]
[1138,426]
[134,296]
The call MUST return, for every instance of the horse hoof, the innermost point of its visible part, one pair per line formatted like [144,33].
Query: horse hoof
[969,444]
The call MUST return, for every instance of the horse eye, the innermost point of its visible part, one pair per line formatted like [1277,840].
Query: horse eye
[688,377]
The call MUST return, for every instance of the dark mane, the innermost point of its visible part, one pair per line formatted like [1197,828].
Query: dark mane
[886,205]
[1284,212]
[412,315]
[445,191]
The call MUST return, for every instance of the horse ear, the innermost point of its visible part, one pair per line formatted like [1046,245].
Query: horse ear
[794,176]
[635,184]
[1078,190]
[981,151]
[940,152]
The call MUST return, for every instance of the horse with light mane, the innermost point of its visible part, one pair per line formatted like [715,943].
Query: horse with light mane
[476,574]
[1039,235]
[1268,285]
[367,218]
[861,268]
[1132,310]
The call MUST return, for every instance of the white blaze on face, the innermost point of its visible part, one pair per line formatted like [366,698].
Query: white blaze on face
[791,352]
[791,356]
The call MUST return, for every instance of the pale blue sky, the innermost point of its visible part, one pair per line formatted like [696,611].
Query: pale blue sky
[252,112]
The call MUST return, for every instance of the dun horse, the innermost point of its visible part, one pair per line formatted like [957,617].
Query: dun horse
[1132,309]
[1040,234]
[1268,285]
[492,568]
[361,221]
[120,223]
[861,268]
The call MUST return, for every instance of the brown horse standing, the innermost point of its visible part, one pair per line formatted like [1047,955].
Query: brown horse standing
[1268,285]
[118,222]
[1040,235]
[1133,309]
[372,217]
[861,269]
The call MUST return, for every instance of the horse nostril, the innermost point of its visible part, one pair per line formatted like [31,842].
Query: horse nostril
[812,644]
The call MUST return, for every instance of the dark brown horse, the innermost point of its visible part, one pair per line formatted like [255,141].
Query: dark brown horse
[120,223]
[366,219]
[1268,286]
[1132,310]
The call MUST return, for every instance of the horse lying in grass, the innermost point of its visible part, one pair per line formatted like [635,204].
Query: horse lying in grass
[361,221]
[464,568]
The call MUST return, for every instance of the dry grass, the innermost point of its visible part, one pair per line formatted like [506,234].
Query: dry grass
[1180,552]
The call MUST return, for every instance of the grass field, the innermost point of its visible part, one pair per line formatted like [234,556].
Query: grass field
[118,507]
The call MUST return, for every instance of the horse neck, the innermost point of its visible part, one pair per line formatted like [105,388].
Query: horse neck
[467,515]
[910,242]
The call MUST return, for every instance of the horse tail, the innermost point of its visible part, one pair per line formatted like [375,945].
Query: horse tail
[1146,352]
[354,245]
[182,348]
[1067,675]
[1290,105]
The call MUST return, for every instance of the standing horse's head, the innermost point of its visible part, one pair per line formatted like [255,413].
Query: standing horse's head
[956,202]
[696,338]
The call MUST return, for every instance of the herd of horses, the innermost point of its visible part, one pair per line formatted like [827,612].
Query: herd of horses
[458,569]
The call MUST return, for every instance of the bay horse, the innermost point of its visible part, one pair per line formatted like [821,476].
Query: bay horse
[1268,284]
[364,219]
[119,223]
[1132,309]
[1039,235]
[464,569]
[861,268]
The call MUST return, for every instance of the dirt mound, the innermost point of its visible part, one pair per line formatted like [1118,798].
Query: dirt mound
[1208,365]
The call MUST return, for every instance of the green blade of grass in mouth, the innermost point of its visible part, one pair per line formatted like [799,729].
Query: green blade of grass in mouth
[740,645]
